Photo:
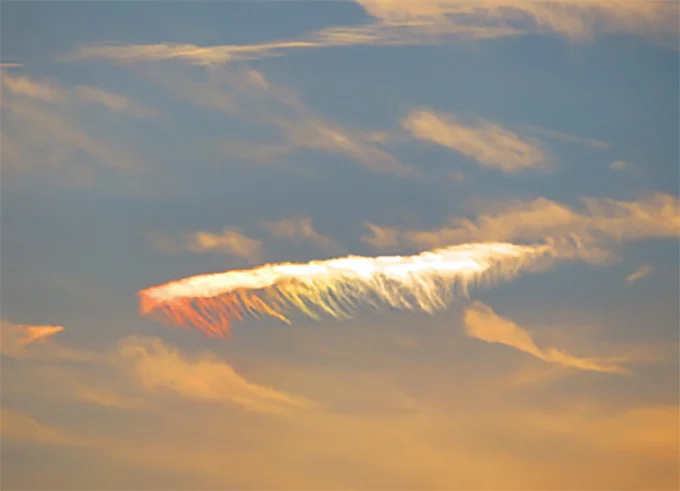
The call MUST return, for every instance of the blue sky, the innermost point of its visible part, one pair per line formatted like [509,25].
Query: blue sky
[145,142]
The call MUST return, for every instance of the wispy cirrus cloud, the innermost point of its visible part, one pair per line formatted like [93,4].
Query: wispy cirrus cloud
[488,143]
[245,94]
[229,241]
[404,22]
[600,223]
[639,273]
[43,131]
[483,323]
[301,230]
[157,366]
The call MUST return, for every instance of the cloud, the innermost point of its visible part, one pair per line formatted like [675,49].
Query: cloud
[35,90]
[17,426]
[300,230]
[47,91]
[381,237]
[158,366]
[230,241]
[559,135]
[597,225]
[43,132]
[247,96]
[619,165]
[114,102]
[488,143]
[430,22]
[103,397]
[17,337]
[641,272]
[577,20]
[483,323]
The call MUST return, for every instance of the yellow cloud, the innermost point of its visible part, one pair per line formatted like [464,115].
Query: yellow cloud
[158,366]
[488,143]
[599,223]
[230,241]
[381,237]
[300,229]
[31,88]
[575,19]
[17,426]
[483,323]
[405,22]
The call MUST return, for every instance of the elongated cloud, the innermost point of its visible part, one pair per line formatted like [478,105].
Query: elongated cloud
[158,366]
[424,282]
[230,241]
[641,272]
[430,22]
[483,323]
[600,222]
[488,143]
[300,230]
[16,337]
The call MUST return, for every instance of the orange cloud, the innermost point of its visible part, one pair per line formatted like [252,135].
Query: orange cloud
[230,241]
[16,337]
[157,366]
[483,323]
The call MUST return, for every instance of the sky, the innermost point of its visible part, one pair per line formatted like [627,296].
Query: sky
[533,146]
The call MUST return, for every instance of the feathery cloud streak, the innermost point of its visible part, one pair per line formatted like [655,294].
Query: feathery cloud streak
[483,323]
[404,22]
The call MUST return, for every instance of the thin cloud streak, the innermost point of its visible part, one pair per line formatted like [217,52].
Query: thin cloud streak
[638,274]
[488,143]
[483,323]
[301,230]
[404,22]
[599,224]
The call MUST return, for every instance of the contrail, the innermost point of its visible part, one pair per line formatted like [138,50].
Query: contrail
[338,287]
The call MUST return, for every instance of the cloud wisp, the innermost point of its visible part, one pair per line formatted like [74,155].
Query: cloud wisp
[301,230]
[488,143]
[481,322]
[639,273]
[430,22]
[600,223]
[44,129]
[157,366]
